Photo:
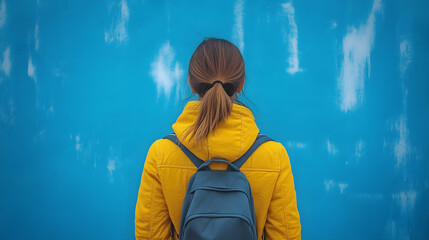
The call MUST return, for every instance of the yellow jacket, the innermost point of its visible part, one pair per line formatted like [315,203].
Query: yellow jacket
[167,171]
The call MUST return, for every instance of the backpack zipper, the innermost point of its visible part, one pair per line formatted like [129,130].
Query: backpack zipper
[221,190]
[216,215]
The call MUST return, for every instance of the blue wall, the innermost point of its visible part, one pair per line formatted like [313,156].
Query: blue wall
[87,86]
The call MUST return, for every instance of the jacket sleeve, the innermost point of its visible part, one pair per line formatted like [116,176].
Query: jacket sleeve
[283,220]
[152,220]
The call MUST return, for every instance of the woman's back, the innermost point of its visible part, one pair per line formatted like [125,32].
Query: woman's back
[216,127]
[167,171]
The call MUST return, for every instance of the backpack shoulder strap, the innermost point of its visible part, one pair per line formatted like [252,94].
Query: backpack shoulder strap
[261,138]
[197,162]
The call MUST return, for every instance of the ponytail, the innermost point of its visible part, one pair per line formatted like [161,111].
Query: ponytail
[214,59]
[215,106]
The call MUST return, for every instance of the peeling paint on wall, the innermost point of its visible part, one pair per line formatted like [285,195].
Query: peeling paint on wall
[357,46]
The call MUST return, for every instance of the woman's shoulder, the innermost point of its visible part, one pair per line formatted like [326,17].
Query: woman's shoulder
[166,152]
[268,155]
[163,144]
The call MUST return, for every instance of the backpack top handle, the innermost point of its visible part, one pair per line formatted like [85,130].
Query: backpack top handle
[205,165]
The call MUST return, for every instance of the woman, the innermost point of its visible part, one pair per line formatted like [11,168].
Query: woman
[216,126]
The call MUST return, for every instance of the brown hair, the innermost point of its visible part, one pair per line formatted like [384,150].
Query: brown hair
[214,60]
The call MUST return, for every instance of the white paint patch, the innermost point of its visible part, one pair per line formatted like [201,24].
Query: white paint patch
[334,25]
[118,30]
[391,231]
[405,50]
[111,165]
[367,196]
[2,13]
[237,30]
[58,72]
[78,144]
[357,45]
[6,64]
[40,136]
[292,38]
[165,71]
[402,146]
[404,62]
[328,184]
[36,36]
[359,149]
[11,112]
[342,187]
[331,148]
[31,70]
[407,200]
[299,145]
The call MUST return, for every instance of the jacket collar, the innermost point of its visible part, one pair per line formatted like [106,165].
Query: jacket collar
[231,139]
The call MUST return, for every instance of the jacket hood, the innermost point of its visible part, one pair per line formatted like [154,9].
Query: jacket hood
[231,138]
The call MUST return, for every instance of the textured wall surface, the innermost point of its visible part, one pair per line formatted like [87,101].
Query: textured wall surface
[87,86]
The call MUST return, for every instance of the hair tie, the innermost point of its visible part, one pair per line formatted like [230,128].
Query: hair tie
[228,87]
[217,81]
